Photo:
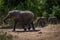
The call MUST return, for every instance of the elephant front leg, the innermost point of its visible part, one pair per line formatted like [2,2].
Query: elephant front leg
[14,26]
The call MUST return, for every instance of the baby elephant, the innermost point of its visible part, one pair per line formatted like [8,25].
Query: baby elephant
[41,21]
[52,20]
[21,17]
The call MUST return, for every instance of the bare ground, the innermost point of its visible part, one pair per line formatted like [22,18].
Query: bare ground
[50,32]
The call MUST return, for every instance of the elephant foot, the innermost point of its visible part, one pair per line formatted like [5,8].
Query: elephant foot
[34,30]
[13,30]
[25,30]
[28,29]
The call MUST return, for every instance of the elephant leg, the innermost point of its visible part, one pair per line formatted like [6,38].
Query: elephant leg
[33,26]
[24,28]
[43,24]
[14,25]
[55,21]
[29,27]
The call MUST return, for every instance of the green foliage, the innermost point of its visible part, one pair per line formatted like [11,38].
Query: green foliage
[57,11]
[4,36]
[1,4]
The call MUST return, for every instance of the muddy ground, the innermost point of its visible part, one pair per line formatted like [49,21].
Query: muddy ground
[50,32]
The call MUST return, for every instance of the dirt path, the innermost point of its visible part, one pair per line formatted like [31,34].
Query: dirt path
[50,32]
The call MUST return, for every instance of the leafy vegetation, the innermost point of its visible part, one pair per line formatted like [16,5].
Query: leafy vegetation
[4,36]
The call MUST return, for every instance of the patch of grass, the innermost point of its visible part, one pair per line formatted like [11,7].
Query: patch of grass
[5,36]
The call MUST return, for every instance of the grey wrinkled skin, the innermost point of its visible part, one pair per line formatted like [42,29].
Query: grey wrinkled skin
[41,21]
[52,20]
[21,17]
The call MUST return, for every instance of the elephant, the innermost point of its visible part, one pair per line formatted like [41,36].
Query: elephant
[25,17]
[52,20]
[41,21]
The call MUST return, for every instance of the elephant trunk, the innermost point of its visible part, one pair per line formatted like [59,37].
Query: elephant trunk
[4,20]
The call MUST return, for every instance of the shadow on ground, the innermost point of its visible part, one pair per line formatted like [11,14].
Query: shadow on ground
[29,31]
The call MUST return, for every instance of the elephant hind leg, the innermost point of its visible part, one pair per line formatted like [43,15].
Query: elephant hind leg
[24,27]
[29,27]
[33,26]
